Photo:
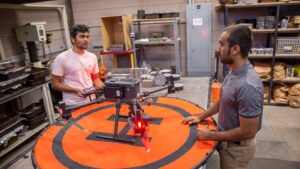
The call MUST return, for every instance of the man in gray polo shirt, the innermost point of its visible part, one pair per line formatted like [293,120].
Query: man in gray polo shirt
[240,105]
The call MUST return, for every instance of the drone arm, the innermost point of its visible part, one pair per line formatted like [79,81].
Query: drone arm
[66,111]
[147,93]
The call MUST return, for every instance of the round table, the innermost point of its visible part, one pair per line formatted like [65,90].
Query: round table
[72,143]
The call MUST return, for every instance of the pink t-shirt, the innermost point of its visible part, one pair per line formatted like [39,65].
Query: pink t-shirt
[76,70]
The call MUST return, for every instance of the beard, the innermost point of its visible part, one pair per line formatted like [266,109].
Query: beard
[227,59]
[80,46]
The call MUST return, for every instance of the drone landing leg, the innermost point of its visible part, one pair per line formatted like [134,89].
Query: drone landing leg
[118,106]
[115,136]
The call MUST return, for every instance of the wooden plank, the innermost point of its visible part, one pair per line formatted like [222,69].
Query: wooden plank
[220,8]
[261,4]
[272,102]
[289,80]
[263,30]
[118,32]
[277,55]
[279,30]
[107,32]
[126,29]
[251,56]
[114,32]
[287,55]
[288,29]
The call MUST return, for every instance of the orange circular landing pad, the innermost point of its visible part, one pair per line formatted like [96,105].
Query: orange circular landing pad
[72,144]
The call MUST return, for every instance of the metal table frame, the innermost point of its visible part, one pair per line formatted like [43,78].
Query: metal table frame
[175,41]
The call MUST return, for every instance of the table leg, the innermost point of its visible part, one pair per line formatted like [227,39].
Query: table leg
[115,61]
[49,111]
[132,60]
[101,58]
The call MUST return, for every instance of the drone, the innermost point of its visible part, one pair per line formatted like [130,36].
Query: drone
[123,91]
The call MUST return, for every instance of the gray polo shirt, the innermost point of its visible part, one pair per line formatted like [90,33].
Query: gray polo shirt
[241,94]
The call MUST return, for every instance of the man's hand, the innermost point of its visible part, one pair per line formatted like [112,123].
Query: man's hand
[192,120]
[203,134]
[79,92]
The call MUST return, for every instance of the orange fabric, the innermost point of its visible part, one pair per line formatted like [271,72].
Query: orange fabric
[215,91]
[167,137]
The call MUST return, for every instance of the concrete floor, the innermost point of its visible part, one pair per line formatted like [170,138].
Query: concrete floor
[277,142]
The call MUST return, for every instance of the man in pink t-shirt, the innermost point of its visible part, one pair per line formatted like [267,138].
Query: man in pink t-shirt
[76,69]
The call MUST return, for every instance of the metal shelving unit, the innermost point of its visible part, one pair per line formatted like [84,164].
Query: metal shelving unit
[20,140]
[265,4]
[175,41]
[48,107]
[155,43]
[288,30]
[277,56]
[277,6]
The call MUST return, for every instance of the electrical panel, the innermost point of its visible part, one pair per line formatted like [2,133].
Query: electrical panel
[198,28]
[34,31]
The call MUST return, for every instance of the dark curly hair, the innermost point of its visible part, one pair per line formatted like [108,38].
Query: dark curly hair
[240,35]
[78,28]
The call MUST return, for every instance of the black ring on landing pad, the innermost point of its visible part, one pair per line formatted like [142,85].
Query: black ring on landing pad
[65,160]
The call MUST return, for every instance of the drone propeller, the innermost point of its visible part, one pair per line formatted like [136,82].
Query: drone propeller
[156,96]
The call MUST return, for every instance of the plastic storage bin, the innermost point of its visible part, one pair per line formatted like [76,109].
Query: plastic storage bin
[288,45]
[11,73]
[9,83]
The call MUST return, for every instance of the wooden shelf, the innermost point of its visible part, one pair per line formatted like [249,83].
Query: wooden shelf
[220,7]
[272,102]
[251,56]
[265,4]
[288,55]
[277,56]
[288,80]
[263,80]
[287,30]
